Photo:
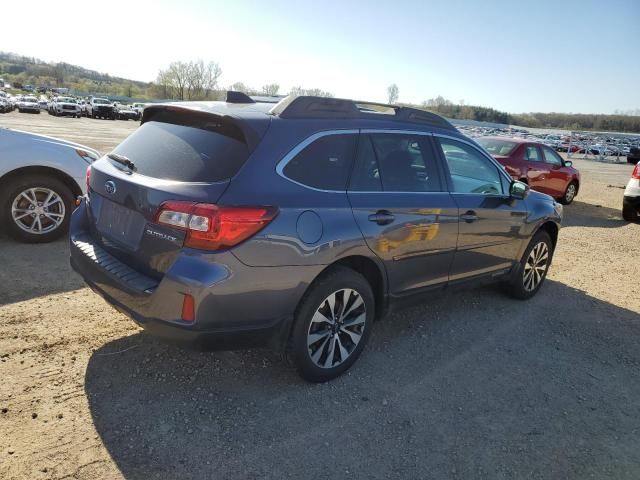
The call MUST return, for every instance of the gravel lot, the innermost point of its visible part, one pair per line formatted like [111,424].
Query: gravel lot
[471,385]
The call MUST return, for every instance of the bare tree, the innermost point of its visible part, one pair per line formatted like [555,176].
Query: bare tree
[189,80]
[211,74]
[270,89]
[241,87]
[179,76]
[392,92]
[315,92]
[165,84]
[202,79]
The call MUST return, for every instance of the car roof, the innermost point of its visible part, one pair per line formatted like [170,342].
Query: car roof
[517,140]
[309,113]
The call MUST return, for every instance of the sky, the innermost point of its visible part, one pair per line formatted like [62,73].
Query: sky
[537,56]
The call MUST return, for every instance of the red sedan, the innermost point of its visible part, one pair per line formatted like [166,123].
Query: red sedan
[535,164]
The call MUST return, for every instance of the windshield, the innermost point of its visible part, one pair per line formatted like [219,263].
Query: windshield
[31,99]
[497,147]
[66,100]
[102,101]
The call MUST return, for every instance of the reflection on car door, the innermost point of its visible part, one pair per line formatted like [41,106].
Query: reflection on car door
[400,204]
[557,180]
[537,170]
[491,223]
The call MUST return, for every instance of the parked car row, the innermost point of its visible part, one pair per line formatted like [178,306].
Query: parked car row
[59,105]
[587,143]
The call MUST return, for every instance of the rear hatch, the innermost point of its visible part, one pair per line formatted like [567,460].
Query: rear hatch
[177,154]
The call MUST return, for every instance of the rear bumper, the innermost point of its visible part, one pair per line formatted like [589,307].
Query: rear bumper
[632,190]
[236,306]
[631,202]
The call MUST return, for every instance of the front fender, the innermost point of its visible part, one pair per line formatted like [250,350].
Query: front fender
[543,210]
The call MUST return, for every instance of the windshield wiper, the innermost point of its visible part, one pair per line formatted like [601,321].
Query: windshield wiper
[121,159]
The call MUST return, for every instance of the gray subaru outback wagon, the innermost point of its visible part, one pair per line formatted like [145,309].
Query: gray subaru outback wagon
[296,225]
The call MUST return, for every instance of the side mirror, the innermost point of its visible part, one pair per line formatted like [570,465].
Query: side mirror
[568,163]
[519,190]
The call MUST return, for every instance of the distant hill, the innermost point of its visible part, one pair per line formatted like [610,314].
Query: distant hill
[19,70]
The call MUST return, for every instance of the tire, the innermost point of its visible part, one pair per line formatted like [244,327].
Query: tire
[570,193]
[349,334]
[53,223]
[518,285]
[630,214]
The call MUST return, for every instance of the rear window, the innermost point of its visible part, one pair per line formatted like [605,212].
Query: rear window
[324,163]
[184,154]
[497,147]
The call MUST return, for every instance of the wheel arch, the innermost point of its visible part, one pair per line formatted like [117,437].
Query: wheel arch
[552,229]
[42,170]
[371,270]
[575,180]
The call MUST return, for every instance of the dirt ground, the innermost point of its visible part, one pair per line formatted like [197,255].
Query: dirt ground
[470,385]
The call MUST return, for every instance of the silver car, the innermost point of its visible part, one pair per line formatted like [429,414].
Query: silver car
[40,177]
[29,104]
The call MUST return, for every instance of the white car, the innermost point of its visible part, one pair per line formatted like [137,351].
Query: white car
[28,104]
[65,106]
[138,107]
[631,200]
[5,106]
[40,178]
[101,108]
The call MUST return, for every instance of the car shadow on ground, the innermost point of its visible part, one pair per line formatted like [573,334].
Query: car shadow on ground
[580,214]
[471,385]
[32,270]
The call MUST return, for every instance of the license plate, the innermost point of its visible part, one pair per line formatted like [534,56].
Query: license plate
[120,224]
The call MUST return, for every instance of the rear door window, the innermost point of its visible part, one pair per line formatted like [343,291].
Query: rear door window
[325,163]
[185,154]
[532,154]
[395,162]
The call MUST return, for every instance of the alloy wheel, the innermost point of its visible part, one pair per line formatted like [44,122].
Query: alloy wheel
[38,210]
[571,192]
[336,328]
[536,266]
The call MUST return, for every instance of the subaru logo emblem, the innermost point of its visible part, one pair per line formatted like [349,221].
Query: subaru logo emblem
[110,187]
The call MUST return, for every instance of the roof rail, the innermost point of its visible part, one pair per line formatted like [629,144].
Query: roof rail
[238,97]
[324,107]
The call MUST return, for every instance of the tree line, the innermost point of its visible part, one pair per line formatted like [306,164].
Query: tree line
[567,121]
[199,80]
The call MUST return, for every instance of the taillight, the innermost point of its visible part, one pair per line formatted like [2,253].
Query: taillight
[636,172]
[210,227]
[87,177]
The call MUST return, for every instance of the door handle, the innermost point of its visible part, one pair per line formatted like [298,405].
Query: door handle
[469,217]
[382,217]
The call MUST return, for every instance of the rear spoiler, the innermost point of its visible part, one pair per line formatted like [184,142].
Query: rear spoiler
[196,117]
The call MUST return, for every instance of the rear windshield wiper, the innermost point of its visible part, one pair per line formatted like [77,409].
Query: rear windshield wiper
[121,159]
